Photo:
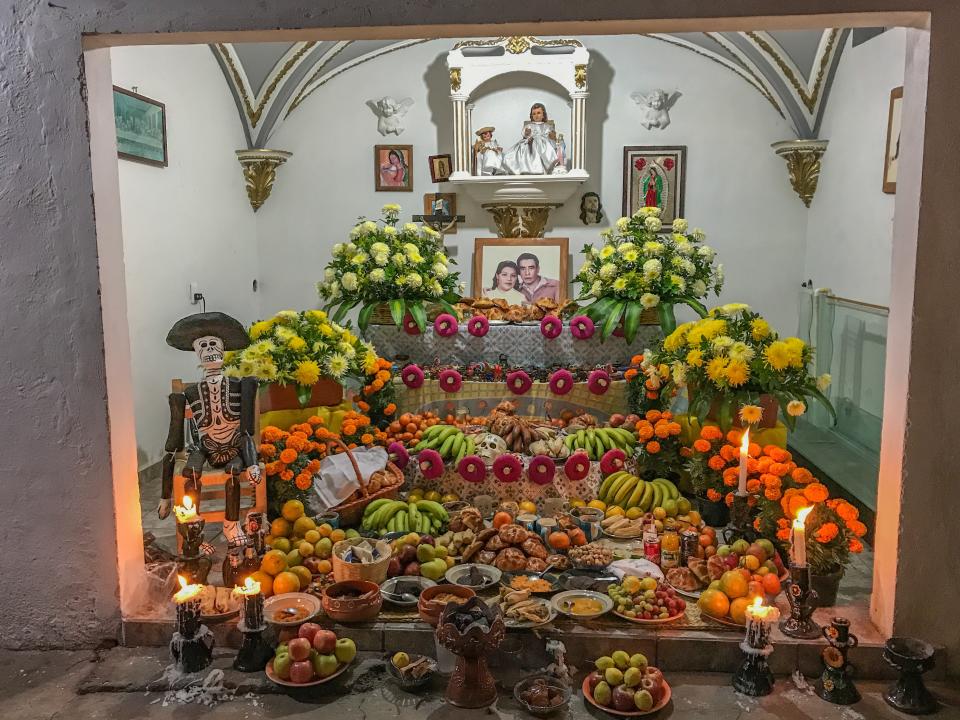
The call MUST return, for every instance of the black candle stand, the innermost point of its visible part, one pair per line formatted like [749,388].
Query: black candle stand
[754,677]
[191,562]
[739,526]
[254,652]
[912,658]
[799,623]
[192,644]
[836,683]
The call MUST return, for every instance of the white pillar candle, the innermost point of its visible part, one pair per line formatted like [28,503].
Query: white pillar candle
[798,539]
[744,454]
[760,620]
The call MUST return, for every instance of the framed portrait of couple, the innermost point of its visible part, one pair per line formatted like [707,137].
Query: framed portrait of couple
[521,270]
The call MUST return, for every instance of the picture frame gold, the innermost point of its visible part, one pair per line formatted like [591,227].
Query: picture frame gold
[552,256]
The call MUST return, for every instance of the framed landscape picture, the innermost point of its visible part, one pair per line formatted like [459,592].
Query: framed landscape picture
[393,168]
[521,270]
[891,155]
[654,176]
[141,128]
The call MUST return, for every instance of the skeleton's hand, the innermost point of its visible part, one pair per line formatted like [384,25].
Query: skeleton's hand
[253,474]
[163,509]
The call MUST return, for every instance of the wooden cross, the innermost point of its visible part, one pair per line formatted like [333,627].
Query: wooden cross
[438,219]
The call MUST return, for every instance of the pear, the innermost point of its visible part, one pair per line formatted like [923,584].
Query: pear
[643,700]
[639,660]
[632,677]
[602,663]
[621,659]
[603,694]
[613,676]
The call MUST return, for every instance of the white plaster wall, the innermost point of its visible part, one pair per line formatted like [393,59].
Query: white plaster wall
[190,221]
[850,225]
[737,189]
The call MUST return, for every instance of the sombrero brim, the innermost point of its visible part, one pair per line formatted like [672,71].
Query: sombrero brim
[221,325]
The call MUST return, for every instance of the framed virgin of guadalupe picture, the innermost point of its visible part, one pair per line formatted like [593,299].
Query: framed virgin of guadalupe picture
[654,177]
[141,128]
[393,167]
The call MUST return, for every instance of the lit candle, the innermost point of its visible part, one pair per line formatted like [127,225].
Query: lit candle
[798,540]
[744,454]
[187,512]
[187,600]
[252,604]
[760,620]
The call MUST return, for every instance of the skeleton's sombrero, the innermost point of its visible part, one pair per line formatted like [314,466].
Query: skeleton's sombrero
[221,325]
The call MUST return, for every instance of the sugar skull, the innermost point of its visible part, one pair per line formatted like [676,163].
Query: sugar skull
[490,446]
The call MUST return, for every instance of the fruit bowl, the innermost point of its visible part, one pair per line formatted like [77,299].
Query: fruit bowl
[542,711]
[411,683]
[664,699]
[319,681]
[652,622]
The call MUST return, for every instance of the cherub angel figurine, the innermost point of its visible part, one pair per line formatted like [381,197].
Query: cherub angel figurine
[487,153]
[655,107]
[536,152]
[390,114]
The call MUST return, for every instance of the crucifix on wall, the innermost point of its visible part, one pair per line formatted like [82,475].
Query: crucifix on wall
[440,212]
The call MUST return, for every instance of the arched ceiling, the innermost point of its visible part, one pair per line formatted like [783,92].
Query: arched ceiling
[792,69]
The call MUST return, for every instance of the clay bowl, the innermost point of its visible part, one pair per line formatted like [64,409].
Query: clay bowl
[352,609]
[430,609]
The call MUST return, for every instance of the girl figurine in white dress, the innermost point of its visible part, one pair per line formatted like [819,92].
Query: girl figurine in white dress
[487,153]
[536,153]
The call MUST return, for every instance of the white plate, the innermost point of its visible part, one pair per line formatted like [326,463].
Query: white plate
[514,623]
[560,601]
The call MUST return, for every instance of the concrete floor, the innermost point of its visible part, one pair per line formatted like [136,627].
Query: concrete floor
[112,684]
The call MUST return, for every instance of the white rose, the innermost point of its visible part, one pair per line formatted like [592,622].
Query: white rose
[649,300]
[652,224]
[349,281]
[679,225]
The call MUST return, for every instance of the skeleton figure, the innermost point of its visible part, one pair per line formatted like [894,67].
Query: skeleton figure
[390,113]
[223,416]
[655,107]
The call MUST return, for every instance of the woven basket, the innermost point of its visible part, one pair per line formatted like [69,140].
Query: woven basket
[351,513]
[649,317]
[381,313]
[374,572]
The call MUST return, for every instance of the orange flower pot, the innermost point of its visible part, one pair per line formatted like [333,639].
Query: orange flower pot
[275,396]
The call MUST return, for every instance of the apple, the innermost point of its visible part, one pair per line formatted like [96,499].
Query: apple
[308,630]
[623,698]
[281,665]
[412,569]
[651,687]
[299,649]
[325,665]
[595,679]
[427,540]
[394,567]
[301,672]
[408,554]
[723,551]
[345,650]
[655,675]
[324,641]
[312,564]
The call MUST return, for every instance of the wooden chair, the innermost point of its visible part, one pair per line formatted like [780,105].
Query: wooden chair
[212,503]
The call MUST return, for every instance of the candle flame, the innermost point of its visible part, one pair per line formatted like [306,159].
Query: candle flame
[802,515]
[185,512]
[250,587]
[745,443]
[758,601]
[186,592]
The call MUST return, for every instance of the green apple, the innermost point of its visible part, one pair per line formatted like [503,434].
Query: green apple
[325,665]
[281,665]
[741,546]
[345,650]
[724,550]
[683,506]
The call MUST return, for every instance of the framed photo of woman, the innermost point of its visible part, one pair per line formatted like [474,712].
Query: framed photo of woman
[654,176]
[521,270]
[393,168]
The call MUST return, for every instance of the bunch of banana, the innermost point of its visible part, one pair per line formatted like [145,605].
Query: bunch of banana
[448,440]
[423,516]
[596,441]
[518,433]
[628,491]
[554,447]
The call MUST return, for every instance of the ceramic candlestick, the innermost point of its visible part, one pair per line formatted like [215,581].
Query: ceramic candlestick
[799,623]
[836,683]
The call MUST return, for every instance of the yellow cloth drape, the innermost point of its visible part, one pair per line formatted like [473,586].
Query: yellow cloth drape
[332,416]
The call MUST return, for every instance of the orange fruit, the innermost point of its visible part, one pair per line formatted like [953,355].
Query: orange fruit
[502,518]
[325,530]
[285,582]
[292,509]
[266,582]
[303,575]
[733,584]
[714,602]
[274,562]
[754,589]
[324,567]
[771,584]
[577,536]
[559,540]
[280,527]
[337,535]
[738,610]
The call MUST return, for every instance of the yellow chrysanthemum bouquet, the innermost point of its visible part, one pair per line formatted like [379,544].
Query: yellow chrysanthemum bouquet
[731,358]
[404,266]
[641,266]
[300,348]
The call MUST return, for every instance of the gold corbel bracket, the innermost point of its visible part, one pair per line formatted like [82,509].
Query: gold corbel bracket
[803,164]
[259,172]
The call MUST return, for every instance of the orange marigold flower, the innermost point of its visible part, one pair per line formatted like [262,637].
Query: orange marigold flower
[636,360]
[270,434]
[666,415]
[763,463]
[645,432]
[753,450]
[729,453]
[686,452]
[772,493]
[795,504]
[273,468]
[675,428]
[653,447]
[377,385]
[855,545]
[729,499]
[383,376]
[731,480]
[288,455]
[313,466]
[779,455]
[783,523]
[731,472]
[384,363]
[363,420]
[778,469]
[363,406]
[826,533]
[847,511]
[296,443]
[753,485]
[770,480]
[752,500]
[751,465]
[733,437]
[366,438]
[303,481]
[321,447]
[651,384]
[713,495]
[390,409]
[701,445]
[653,415]
[315,420]
[662,431]
[286,475]
[756,524]
[349,429]
[816,492]
[367,391]
[267,450]
[716,463]
[630,374]
[857,528]
[802,475]
[352,446]
[783,534]
[710,432]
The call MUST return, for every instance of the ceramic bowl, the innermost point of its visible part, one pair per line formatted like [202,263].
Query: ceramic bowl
[460,575]
[413,584]
[562,602]
[524,684]
[352,609]
[430,609]
[301,602]
[408,683]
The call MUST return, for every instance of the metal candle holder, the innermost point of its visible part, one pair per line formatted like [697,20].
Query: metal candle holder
[799,623]
[254,652]
[192,644]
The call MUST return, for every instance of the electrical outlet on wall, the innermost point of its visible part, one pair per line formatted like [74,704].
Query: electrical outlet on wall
[195,293]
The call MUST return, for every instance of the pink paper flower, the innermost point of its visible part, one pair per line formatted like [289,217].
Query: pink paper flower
[598,382]
[412,376]
[542,469]
[581,327]
[519,382]
[398,454]
[431,463]
[478,325]
[410,326]
[450,380]
[472,469]
[445,325]
[561,382]
[507,468]
[551,326]
[612,461]
[577,466]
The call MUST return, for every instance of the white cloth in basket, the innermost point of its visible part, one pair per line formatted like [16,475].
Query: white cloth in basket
[336,480]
